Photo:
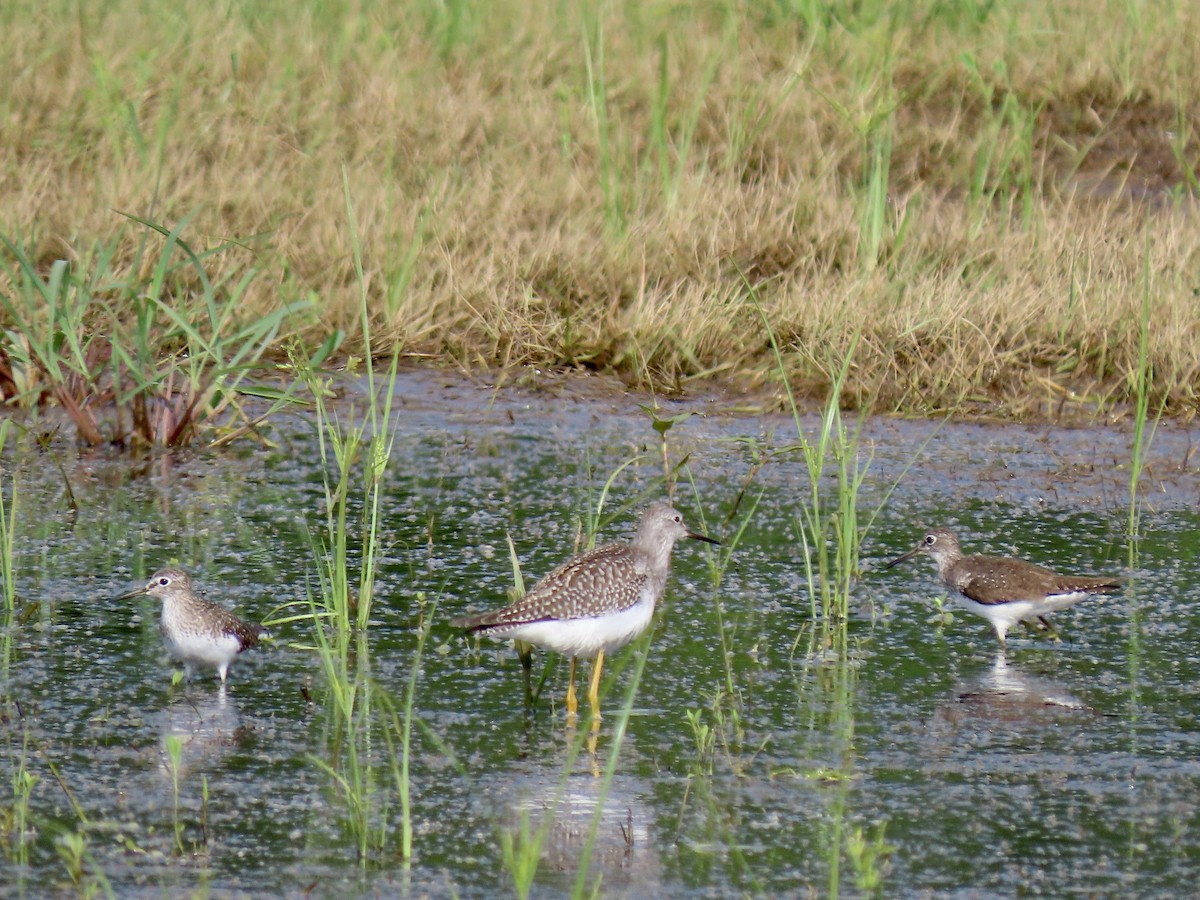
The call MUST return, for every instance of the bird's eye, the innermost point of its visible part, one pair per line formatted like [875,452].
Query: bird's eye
[678,520]
[930,539]
[164,581]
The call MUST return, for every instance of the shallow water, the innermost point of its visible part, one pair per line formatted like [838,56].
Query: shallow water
[1055,768]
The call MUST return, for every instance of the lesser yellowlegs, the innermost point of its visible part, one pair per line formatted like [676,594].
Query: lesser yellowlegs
[596,602]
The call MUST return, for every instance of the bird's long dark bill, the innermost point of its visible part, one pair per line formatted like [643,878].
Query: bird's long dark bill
[700,537]
[909,555]
[132,594]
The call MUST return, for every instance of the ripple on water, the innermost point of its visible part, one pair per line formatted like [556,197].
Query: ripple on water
[1069,768]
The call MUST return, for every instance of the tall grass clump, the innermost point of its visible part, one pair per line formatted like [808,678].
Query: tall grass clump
[673,132]
[828,527]
[354,458]
[362,718]
[150,350]
[607,136]
[1002,177]
[871,118]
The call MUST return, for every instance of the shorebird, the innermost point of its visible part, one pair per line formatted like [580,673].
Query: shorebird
[197,631]
[596,602]
[1001,589]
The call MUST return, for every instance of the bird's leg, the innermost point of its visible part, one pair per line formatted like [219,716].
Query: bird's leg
[572,703]
[525,654]
[594,689]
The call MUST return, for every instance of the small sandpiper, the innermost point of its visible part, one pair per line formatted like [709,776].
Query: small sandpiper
[197,631]
[1001,589]
[596,602]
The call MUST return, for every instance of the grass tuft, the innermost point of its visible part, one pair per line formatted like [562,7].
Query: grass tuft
[153,356]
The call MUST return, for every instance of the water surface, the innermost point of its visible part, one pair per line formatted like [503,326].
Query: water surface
[1055,768]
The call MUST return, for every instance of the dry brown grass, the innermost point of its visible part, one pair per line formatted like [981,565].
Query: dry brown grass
[500,224]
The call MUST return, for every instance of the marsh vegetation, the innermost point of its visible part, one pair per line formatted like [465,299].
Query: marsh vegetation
[832,210]
[754,740]
[976,196]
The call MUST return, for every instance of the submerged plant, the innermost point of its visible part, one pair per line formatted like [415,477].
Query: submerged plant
[522,852]
[174,746]
[14,816]
[399,734]
[86,876]
[868,853]
[827,691]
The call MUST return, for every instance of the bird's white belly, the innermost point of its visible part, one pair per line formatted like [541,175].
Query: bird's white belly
[1005,615]
[586,636]
[196,648]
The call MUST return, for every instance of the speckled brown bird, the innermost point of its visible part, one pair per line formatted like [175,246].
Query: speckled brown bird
[197,631]
[594,603]
[1001,589]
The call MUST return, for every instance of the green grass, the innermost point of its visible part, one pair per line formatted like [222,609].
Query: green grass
[355,449]
[123,354]
[358,709]
[1143,427]
[958,185]
[174,747]
[827,526]
[1140,440]
[399,735]
[16,832]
